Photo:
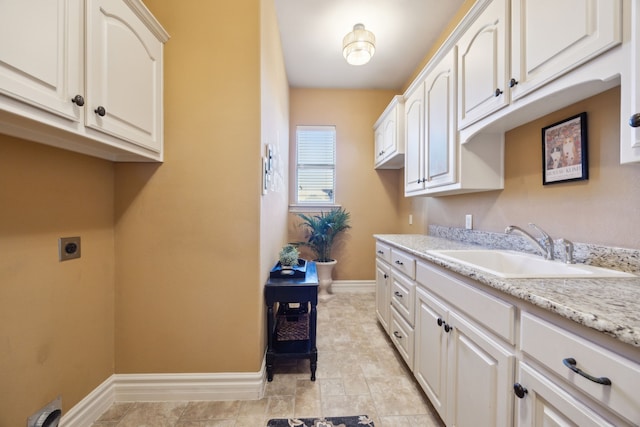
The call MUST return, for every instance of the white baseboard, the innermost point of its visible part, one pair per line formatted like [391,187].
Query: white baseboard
[344,286]
[181,387]
[89,409]
[165,388]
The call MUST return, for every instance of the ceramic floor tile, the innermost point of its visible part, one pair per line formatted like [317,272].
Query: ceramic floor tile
[359,372]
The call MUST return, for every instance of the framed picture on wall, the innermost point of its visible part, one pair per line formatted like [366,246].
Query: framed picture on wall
[564,151]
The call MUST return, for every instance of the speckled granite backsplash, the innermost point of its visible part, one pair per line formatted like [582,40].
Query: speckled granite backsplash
[602,256]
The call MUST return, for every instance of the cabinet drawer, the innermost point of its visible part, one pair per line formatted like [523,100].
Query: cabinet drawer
[494,313]
[401,334]
[552,345]
[404,263]
[403,296]
[383,252]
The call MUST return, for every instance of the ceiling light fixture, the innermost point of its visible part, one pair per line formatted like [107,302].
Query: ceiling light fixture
[359,45]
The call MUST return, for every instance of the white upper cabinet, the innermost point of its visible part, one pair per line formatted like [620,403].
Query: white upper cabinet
[389,136]
[41,54]
[482,65]
[440,123]
[630,94]
[551,37]
[124,75]
[414,134]
[435,162]
[85,76]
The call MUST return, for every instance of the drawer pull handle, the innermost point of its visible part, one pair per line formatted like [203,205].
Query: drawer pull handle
[519,390]
[571,363]
[397,335]
[381,252]
[398,294]
[399,262]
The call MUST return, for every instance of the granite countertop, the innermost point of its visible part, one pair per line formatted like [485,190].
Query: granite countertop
[609,305]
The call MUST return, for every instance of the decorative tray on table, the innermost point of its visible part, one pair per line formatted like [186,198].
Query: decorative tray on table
[297,272]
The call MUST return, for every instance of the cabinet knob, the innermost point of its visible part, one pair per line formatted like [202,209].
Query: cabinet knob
[498,92]
[386,276]
[571,363]
[519,390]
[447,328]
[440,321]
[100,111]
[513,82]
[634,121]
[78,100]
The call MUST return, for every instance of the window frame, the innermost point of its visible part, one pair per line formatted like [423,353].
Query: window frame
[313,206]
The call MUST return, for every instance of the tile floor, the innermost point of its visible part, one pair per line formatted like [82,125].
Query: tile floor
[359,372]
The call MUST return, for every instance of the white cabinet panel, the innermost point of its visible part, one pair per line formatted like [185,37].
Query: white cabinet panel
[482,65]
[124,75]
[550,38]
[383,288]
[41,54]
[545,404]
[389,136]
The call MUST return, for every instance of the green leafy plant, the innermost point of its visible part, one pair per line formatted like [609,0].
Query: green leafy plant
[289,255]
[322,229]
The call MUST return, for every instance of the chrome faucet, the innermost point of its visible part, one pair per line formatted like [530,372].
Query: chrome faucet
[568,251]
[546,248]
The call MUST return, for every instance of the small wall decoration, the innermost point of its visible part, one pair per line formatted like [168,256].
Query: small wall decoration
[564,151]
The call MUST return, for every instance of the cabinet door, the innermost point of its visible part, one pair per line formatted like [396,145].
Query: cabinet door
[41,54]
[413,169]
[440,123]
[430,361]
[480,378]
[550,37]
[383,286]
[124,75]
[630,94]
[390,144]
[544,404]
[379,144]
[482,60]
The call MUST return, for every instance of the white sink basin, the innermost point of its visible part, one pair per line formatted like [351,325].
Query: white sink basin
[510,264]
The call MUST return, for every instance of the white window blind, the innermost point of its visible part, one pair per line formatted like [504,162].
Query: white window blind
[316,164]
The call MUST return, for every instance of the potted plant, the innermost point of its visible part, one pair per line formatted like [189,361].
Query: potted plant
[288,256]
[322,231]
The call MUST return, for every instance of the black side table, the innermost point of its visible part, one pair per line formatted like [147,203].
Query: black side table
[291,328]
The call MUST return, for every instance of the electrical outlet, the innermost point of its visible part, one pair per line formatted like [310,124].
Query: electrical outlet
[68,248]
[468,222]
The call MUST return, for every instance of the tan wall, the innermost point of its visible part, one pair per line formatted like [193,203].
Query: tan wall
[601,210]
[188,253]
[56,318]
[371,196]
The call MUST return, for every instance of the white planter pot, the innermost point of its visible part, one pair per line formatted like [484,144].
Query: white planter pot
[325,271]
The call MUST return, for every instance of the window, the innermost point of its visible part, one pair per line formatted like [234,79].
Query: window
[315,164]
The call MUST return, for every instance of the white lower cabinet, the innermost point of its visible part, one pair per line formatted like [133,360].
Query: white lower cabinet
[542,403]
[484,358]
[383,285]
[590,373]
[465,372]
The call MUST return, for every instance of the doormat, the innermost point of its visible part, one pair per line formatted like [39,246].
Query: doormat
[356,421]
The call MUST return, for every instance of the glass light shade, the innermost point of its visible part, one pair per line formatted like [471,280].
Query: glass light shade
[358,46]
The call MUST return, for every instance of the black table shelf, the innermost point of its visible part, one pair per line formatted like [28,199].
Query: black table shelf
[291,319]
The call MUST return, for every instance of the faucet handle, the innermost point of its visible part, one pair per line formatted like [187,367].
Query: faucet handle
[568,250]
[547,239]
